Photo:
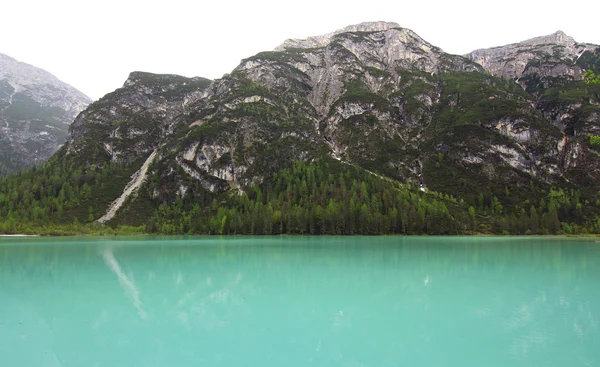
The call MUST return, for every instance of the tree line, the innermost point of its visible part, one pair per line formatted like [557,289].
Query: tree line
[323,197]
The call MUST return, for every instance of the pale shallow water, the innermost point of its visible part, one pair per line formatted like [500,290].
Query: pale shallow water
[299,301]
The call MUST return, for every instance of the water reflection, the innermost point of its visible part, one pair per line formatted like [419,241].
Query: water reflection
[126,281]
[303,301]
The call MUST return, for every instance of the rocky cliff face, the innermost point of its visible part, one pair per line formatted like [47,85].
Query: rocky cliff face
[35,110]
[373,95]
[338,94]
[550,69]
[553,55]
[133,120]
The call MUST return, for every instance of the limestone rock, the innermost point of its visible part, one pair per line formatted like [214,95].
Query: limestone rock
[35,111]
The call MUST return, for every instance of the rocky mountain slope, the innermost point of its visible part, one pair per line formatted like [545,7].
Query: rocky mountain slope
[554,55]
[35,111]
[551,69]
[492,129]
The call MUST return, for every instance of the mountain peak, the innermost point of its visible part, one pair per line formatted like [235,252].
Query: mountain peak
[559,37]
[369,27]
[20,74]
[35,113]
[136,77]
[324,40]
[156,80]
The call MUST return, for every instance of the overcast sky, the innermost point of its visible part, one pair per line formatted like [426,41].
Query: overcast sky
[94,45]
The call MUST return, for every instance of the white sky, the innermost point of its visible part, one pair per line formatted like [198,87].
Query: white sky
[94,45]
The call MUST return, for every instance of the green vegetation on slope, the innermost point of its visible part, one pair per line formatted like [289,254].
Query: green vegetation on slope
[575,103]
[323,197]
[329,197]
[59,193]
[591,78]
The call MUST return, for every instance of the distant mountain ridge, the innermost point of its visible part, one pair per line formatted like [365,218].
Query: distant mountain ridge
[512,60]
[35,111]
[551,69]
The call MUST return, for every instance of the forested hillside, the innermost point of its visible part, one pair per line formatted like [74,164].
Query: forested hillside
[323,197]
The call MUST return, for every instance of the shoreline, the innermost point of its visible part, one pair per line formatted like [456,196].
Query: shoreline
[19,235]
[593,236]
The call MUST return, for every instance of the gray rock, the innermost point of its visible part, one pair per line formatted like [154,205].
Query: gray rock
[35,111]
[558,51]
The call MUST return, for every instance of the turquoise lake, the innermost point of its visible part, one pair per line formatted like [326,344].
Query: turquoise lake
[299,301]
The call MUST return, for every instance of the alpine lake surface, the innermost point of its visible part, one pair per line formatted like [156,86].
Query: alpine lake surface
[299,301]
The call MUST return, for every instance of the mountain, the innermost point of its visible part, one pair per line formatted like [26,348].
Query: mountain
[35,111]
[369,129]
[551,69]
[554,55]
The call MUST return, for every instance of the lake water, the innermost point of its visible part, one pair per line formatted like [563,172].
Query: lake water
[299,301]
